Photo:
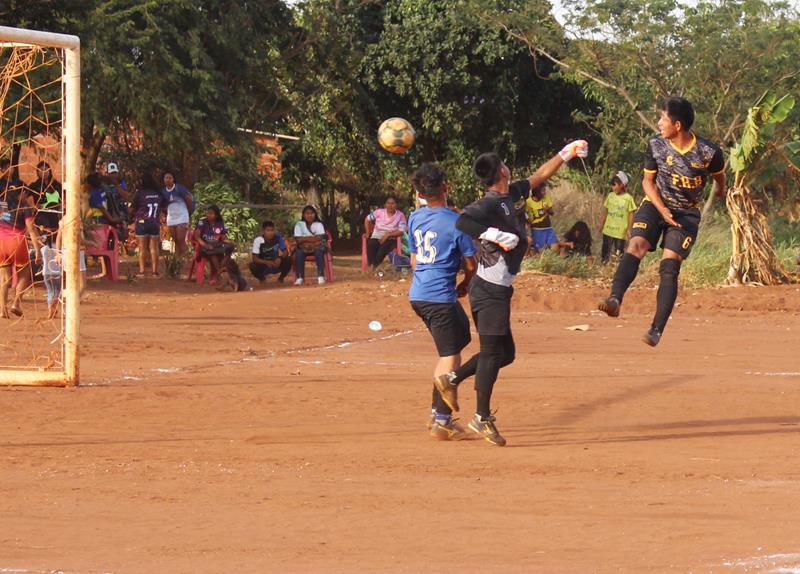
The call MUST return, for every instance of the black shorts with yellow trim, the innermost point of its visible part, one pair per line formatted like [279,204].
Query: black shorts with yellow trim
[648,223]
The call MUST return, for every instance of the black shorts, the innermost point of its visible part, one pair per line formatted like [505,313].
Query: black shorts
[147,228]
[448,324]
[649,224]
[491,307]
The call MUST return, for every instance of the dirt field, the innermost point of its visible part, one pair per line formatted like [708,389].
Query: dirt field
[272,431]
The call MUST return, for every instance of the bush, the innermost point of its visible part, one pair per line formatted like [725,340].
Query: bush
[707,266]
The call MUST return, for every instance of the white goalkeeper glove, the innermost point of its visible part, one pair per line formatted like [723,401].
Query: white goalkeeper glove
[577,148]
[507,241]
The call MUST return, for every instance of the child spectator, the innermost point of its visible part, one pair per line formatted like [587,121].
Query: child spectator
[46,194]
[146,210]
[619,208]
[212,237]
[382,227]
[16,220]
[539,208]
[310,239]
[577,241]
[270,254]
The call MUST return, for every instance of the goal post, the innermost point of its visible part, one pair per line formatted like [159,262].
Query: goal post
[63,372]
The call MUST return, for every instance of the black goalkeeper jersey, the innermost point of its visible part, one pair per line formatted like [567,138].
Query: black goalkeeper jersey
[681,175]
[506,213]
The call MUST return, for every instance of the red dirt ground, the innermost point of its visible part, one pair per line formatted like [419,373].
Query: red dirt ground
[272,431]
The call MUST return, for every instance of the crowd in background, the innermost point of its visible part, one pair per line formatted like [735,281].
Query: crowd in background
[161,208]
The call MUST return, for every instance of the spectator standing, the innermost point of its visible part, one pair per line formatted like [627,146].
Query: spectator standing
[382,227]
[619,208]
[146,211]
[46,194]
[212,237]
[539,208]
[16,219]
[310,239]
[180,205]
[270,254]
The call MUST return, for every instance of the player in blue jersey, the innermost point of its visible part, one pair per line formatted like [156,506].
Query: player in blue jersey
[498,221]
[437,250]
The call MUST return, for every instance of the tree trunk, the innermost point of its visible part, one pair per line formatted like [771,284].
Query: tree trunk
[753,257]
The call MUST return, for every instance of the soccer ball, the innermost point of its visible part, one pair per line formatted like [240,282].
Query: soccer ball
[396,135]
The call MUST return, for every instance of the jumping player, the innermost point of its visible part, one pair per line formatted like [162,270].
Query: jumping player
[498,220]
[676,167]
[437,249]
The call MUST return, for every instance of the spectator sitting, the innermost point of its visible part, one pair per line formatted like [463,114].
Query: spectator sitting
[212,236]
[617,217]
[577,241]
[270,254]
[382,227]
[100,214]
[180,207]
[114,181]
[46,195]
[310,239]
[539,207]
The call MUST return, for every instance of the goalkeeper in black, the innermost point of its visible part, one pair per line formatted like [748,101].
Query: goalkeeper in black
[498,220]
[676,168]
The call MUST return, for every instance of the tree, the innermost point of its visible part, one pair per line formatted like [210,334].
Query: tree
[753,258]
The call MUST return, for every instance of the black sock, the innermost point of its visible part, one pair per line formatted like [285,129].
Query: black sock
[624,276]
[466,370]
[667,291]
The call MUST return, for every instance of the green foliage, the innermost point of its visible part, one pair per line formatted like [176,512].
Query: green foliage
[760,127]
[241,223]
[552,263]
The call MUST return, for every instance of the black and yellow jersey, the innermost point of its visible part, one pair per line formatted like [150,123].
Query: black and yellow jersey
[681,174]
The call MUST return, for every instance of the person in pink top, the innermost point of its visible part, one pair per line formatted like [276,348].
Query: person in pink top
[383,226]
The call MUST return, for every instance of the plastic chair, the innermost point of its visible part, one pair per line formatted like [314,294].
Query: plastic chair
[365,260]
[97,246]
[328,260]
[198,264]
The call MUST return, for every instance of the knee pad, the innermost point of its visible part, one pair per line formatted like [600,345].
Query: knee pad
[669,269]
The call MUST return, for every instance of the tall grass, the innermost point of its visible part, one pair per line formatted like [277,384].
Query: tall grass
[707,266]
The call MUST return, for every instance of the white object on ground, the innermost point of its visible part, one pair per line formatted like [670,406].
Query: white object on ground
[578,328]
[375,325]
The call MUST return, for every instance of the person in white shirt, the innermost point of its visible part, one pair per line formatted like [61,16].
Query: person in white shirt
[310,239]
[180,206]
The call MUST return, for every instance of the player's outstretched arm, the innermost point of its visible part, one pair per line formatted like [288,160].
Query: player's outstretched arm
[577,148]
[720,184]
[651,191]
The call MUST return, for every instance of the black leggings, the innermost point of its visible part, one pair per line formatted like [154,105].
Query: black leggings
[377,251]
[497,351]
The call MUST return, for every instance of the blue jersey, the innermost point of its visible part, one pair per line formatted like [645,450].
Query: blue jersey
[439,247]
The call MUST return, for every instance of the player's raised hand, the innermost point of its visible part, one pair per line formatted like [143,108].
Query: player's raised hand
[507,241]
[577,148]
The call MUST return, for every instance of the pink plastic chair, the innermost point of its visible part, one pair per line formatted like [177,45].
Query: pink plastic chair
[365,260]
[97,246]
[198,265]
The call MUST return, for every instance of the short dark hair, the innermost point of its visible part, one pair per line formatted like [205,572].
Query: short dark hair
[539,190]
[429,180]
[44,166]
[266,224]
[215,208]
[487,167]
[391,196]
[149,180]
[679,110]
[94,179]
